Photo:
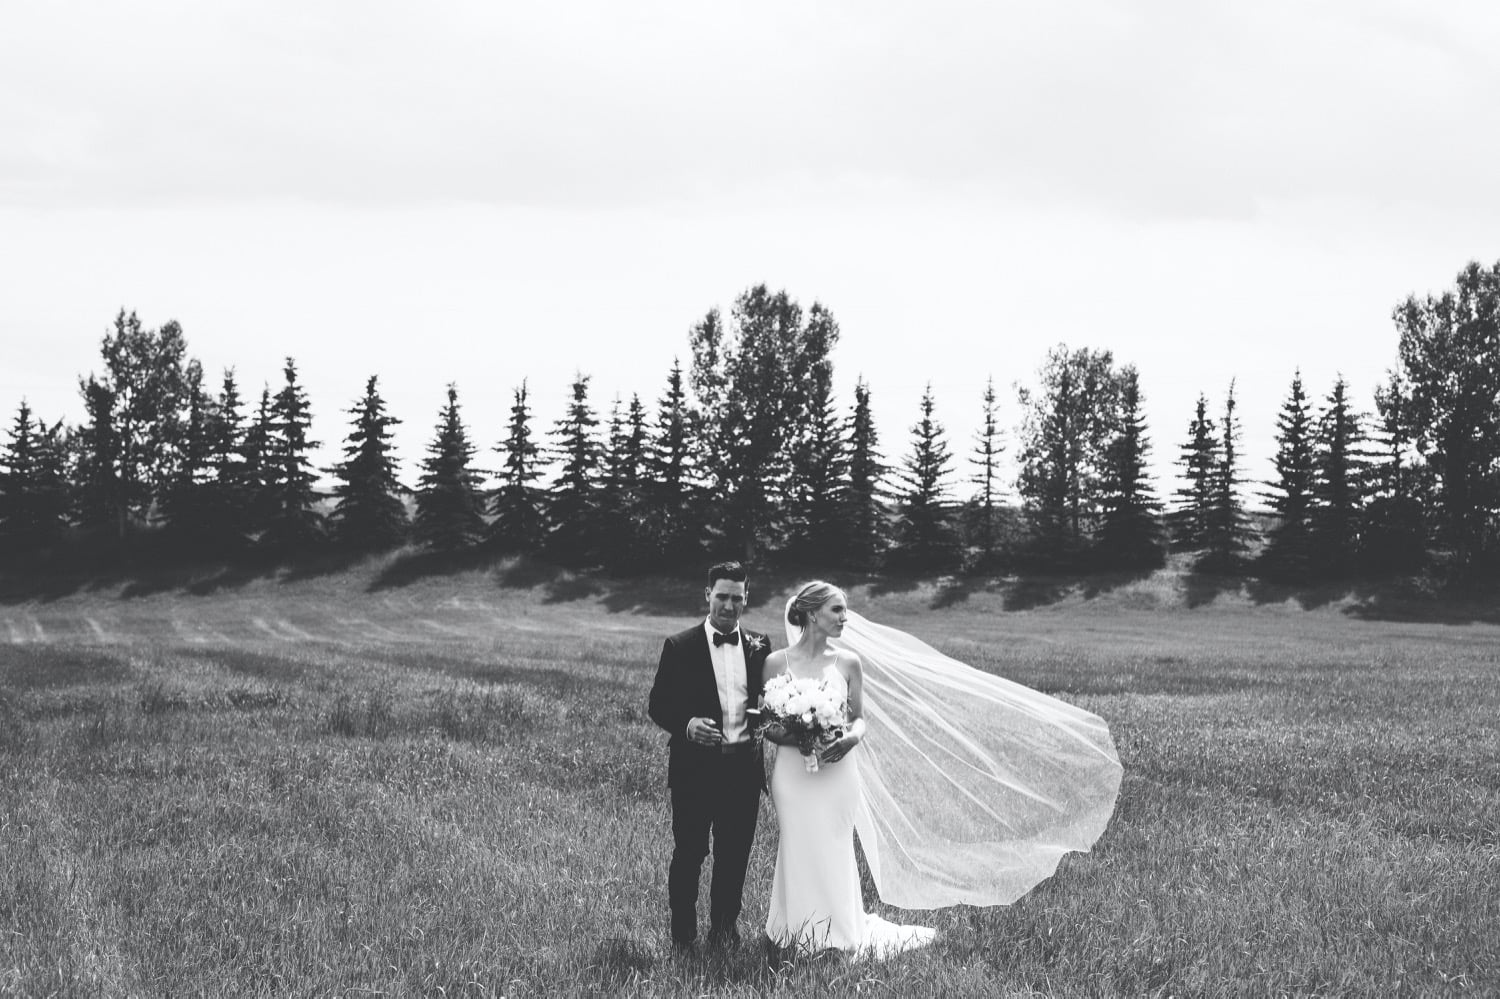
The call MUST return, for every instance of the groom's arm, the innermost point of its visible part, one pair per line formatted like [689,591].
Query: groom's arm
[667,706]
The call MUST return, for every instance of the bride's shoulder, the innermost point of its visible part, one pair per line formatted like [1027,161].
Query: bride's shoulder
[848,661]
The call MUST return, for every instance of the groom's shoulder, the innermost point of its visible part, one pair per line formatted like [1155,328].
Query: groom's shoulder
[685,635]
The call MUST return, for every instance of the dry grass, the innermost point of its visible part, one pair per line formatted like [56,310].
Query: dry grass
[451,788]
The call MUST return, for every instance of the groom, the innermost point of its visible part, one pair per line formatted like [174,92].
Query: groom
[708,677]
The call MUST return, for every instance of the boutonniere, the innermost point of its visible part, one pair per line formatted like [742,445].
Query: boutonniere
[754,642]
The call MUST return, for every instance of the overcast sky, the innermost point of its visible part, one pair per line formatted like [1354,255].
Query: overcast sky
[484,192]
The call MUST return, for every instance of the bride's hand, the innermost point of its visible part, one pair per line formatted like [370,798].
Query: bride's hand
[838,749]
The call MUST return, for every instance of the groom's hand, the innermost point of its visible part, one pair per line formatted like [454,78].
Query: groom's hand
[704,732]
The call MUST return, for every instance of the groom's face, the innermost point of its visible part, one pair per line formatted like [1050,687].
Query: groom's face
[726,602]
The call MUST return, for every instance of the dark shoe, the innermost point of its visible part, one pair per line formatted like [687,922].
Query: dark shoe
[682,948]
[724,936]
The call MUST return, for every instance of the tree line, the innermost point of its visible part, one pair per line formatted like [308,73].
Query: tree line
[746,450]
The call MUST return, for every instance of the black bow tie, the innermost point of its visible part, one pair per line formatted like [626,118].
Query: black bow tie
[733,638]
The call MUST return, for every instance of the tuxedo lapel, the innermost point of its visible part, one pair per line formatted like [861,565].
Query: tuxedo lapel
[701,661]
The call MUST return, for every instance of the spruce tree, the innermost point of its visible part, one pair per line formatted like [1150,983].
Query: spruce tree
[293,522]
[257,469]
[520,520]
[574,505]
[33,497]
[100,500]
[984,507]
[864,515]
[621,496]
[1130,535]
[1288,552]
[1394,539]
[1339,484]
[1198,458]
[1229,533]
[925,537]
[448,494]
[818,479]
[369,513]
[227,495]
[186,507]
[673,523]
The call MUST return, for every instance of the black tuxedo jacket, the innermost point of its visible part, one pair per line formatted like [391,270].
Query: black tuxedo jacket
[686,687]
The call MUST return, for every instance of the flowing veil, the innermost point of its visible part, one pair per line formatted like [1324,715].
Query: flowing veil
[972,786]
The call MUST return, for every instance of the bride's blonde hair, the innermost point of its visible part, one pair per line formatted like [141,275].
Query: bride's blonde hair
[809,598]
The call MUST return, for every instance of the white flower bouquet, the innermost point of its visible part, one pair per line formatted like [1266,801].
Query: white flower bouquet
[810,711]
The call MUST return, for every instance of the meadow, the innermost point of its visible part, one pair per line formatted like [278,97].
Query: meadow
[447,785]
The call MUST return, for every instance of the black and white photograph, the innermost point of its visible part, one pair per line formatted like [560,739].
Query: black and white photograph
[749,500]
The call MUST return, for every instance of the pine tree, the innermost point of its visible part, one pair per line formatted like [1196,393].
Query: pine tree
[1394,538]
[672,521]
[258,469]
[1288,552]
[1339,484]
[448,494]
[230,492]
[33,498]
[984,507]
[1198,459]
[100,502]
[369,514]
[818,479]
[294,523]
[622,495]
[1229,532]
[1130,536]
[864,514]
[520,521]
[574,502]
[186,505]
[925,538]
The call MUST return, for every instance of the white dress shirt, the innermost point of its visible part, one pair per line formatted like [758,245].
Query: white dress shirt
[729,670]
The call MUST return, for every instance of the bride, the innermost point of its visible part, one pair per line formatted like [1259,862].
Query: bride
[963,787]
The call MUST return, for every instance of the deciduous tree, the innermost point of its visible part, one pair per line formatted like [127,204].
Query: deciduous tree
[1450,364]
[751,381]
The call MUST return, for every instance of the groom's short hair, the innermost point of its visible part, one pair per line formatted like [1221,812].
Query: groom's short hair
[732,571]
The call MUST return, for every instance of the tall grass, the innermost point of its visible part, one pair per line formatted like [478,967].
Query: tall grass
[1309,808]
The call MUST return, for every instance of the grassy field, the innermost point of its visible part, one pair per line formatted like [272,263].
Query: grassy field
[354,786]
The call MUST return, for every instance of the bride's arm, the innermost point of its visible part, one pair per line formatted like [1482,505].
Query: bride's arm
[854,677]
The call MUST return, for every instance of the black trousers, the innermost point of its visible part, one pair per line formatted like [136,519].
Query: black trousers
[722,802]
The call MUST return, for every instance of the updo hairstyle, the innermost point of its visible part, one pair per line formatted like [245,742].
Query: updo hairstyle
[808,599]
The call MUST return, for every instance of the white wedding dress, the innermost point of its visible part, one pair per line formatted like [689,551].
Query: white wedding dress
[816,902]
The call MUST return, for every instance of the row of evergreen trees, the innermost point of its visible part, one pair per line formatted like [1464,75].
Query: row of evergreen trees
[746,450]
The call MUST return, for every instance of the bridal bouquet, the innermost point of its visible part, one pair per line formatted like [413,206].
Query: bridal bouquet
[811,711]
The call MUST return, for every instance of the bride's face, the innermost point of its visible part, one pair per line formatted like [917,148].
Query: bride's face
[831,615]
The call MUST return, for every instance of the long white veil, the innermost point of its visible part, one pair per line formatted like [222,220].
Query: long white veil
[972,786]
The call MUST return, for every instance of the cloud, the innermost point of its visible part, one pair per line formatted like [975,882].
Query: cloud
[1173,110]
